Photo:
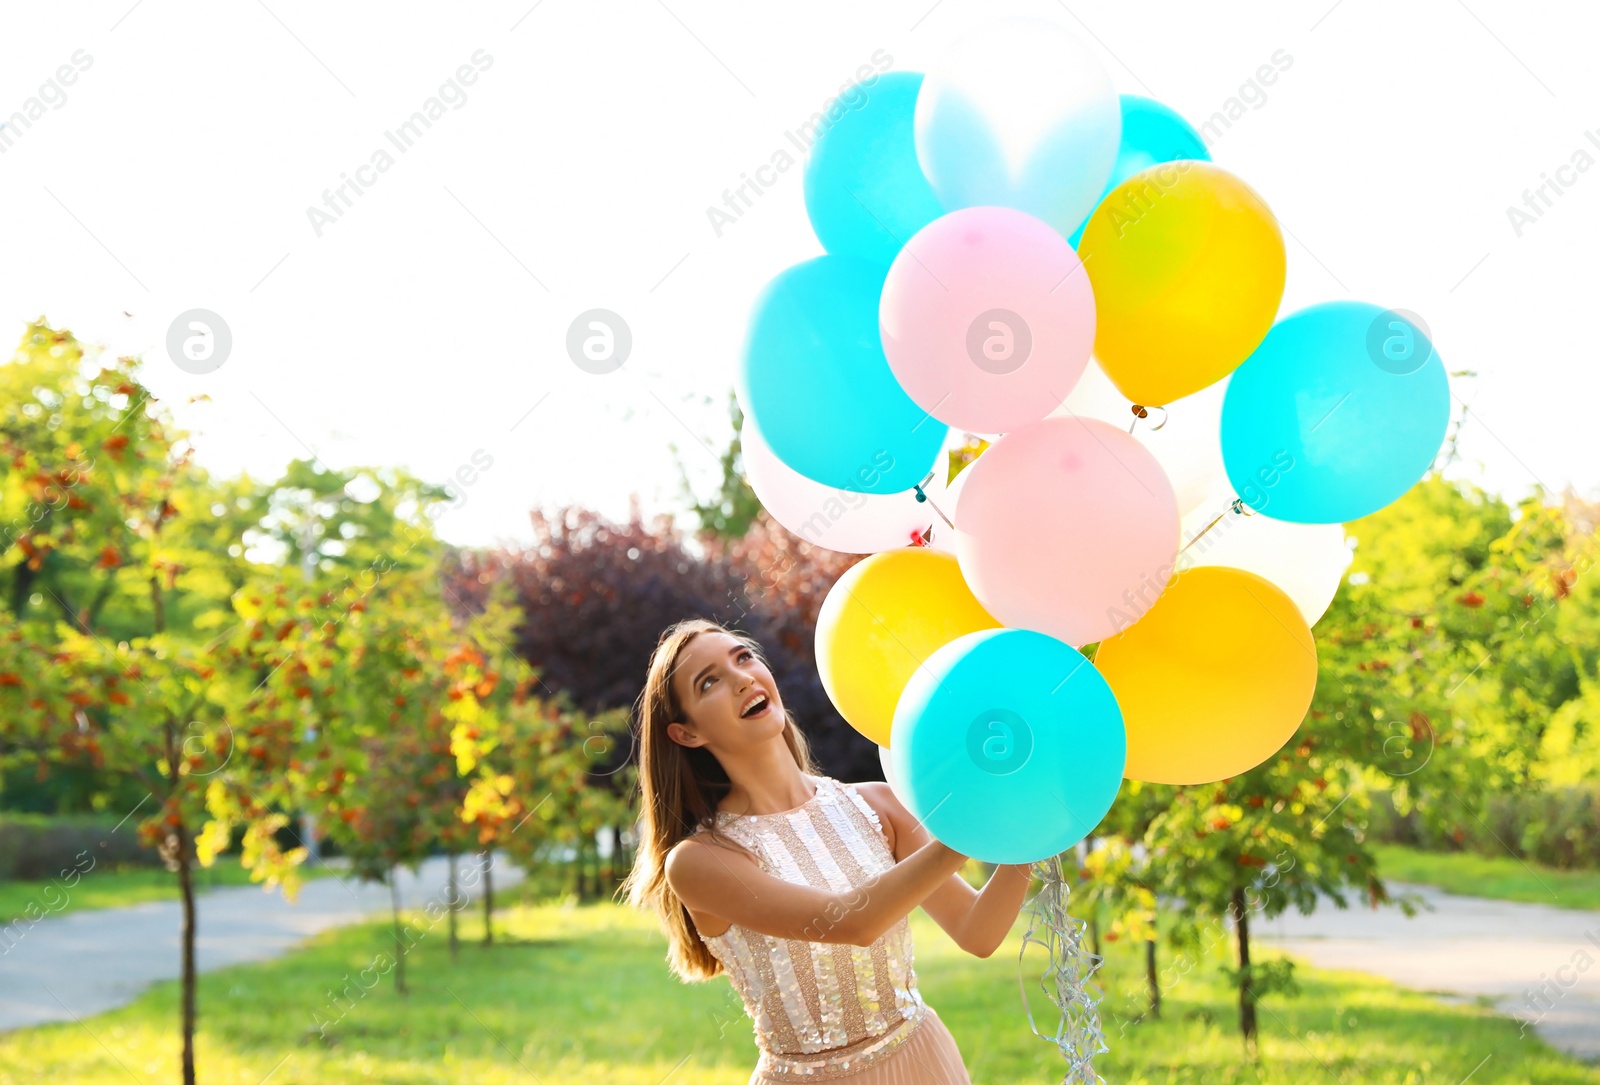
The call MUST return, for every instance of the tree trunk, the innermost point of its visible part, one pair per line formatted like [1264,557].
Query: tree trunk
[1150,978]
[186,889]
[624,863]
[615,878]
[453,901]
[1094,931]
[399,942]
[1247,1001]
[488,898]
[21,586]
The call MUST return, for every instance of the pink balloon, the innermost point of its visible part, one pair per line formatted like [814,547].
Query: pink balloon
[1068,527]
[987,319]
[851,523]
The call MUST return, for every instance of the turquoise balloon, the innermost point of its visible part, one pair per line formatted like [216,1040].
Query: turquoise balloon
[1009,746]
[865,192]
[1151,134]
[821,392]
[1339,411]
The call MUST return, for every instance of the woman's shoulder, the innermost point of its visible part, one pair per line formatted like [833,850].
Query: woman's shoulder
[722,835]
[877,801]
[875,792]
[685,857]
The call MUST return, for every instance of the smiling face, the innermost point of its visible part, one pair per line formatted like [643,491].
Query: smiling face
[717,678]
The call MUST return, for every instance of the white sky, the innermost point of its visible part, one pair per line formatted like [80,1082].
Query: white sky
[423,324]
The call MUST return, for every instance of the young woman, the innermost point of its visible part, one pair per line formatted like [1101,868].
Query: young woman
[796,885]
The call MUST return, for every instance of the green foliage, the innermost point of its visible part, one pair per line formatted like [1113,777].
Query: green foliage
[219,655]
[1457,678]
[730,511]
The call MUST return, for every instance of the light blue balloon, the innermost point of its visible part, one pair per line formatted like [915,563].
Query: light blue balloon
[821,392]
[1054,178]
[1151,134]
[865,192]
[1008,745]
[1339,411]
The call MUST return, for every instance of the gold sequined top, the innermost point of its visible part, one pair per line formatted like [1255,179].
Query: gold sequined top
[821,1009]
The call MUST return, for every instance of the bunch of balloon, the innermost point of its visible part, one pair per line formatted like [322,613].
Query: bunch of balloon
[1014,251]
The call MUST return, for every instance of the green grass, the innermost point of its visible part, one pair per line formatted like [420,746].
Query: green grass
[582,994]
[1500,878]
[102,888]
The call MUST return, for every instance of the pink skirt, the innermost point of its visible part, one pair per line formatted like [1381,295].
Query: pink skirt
[929,1057]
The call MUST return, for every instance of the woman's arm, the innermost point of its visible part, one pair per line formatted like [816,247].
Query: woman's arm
[722,882]
[976,920]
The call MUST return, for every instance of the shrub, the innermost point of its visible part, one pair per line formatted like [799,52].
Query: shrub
[1559,827]
[36,847]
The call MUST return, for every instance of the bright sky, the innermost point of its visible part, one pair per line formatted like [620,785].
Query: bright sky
[427,322]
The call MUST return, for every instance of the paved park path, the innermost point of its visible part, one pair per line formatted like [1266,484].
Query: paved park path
[1539,964]
[1521,955]
[71,966]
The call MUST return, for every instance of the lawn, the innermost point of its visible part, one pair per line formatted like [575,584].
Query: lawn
[113,888]
[1501,877]
[574,995]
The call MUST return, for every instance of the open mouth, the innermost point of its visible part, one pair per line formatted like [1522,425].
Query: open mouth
[758,707]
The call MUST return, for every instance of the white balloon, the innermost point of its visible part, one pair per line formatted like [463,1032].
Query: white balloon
[1306,560]
[888,772]
[1020,114]
[1189,443]
[842,520]
[944,535]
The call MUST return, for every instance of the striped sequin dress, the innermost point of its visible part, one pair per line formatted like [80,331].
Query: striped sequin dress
[822,1010]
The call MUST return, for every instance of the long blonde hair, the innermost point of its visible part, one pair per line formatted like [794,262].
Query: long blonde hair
[679,789]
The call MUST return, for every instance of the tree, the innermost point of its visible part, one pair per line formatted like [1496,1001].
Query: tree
[373,674]
[733,508]
[1114,880]
[108,580]
[593,597]
[532,759]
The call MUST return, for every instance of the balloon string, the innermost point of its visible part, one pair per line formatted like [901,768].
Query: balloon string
[1236,506]
[924,497]
[1068,976]
[1140,411]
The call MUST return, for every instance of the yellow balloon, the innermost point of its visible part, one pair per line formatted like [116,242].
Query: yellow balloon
[1213,679]
[881,620]
[1187,265]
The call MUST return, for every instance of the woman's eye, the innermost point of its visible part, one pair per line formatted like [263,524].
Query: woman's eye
[743,655]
